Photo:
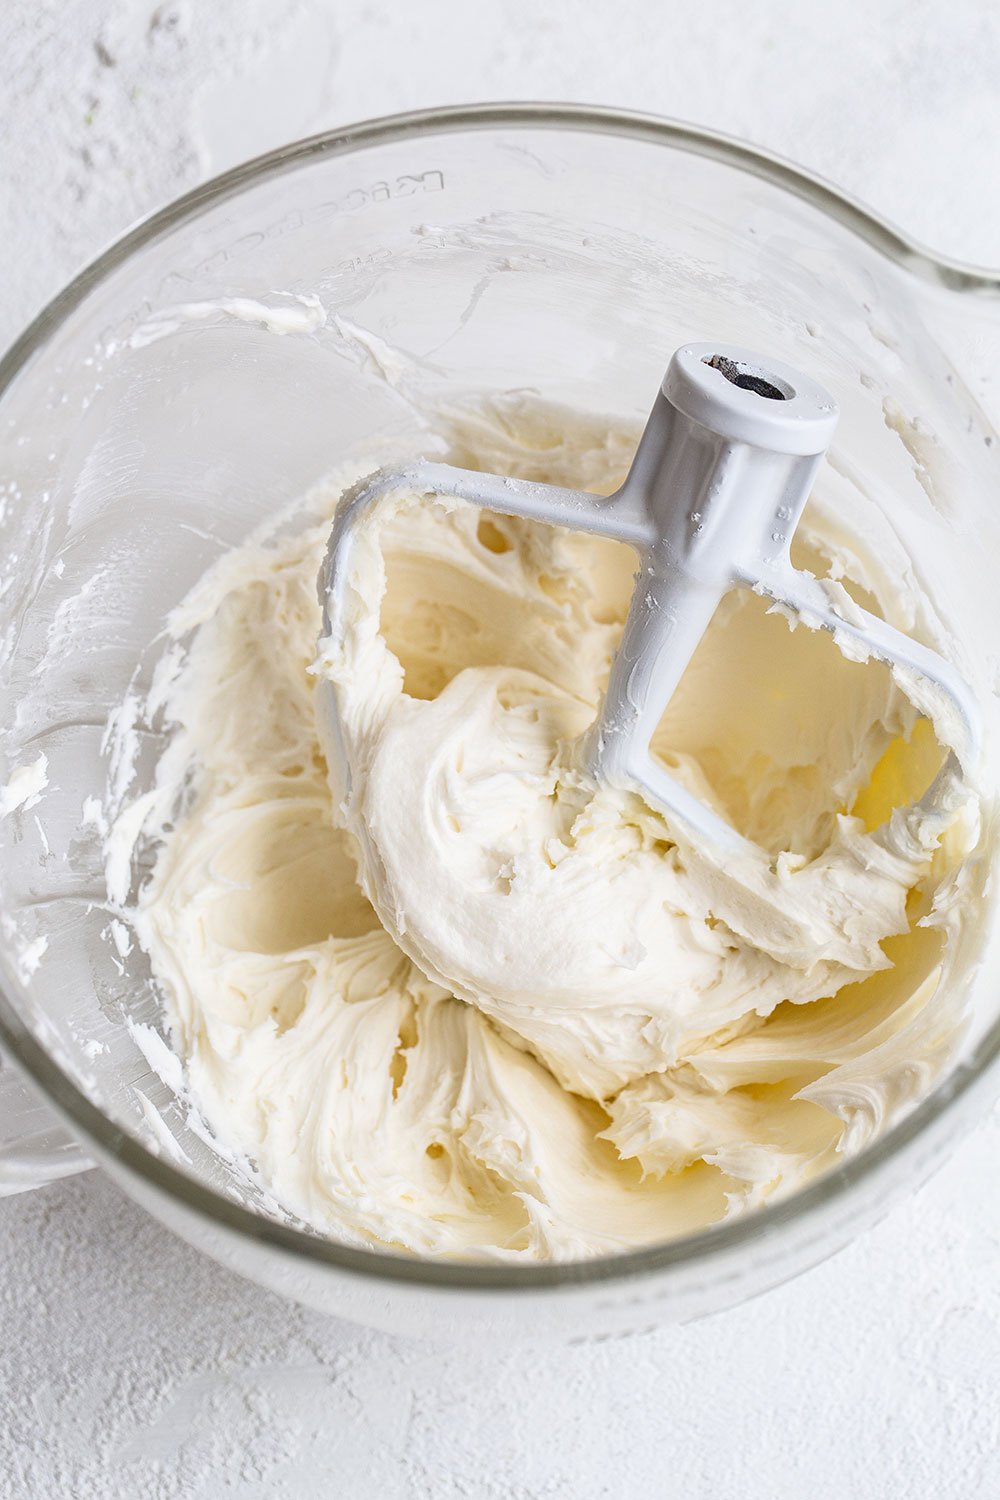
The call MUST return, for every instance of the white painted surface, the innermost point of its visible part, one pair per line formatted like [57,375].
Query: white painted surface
[130,1366]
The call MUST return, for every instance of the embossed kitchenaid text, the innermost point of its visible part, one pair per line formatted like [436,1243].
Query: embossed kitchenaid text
[406,186]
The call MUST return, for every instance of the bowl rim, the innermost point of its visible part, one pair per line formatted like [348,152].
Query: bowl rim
[717,1242]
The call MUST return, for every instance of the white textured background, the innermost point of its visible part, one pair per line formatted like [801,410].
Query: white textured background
[130,1366]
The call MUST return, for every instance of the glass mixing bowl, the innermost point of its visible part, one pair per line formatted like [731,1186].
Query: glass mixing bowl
[212,366]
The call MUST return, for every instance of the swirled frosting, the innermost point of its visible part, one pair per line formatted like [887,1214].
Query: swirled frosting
[473,1004]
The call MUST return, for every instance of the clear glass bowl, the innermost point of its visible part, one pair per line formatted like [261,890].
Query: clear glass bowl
[177,394]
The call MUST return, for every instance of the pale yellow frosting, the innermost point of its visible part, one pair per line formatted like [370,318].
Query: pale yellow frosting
[645,1038]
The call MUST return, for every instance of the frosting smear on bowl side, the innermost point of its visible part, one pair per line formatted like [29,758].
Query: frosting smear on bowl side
[477,1006]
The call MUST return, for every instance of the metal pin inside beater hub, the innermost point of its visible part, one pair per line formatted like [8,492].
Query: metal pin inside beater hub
[716,489]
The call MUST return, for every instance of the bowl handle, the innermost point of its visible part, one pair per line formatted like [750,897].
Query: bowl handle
[34,1148]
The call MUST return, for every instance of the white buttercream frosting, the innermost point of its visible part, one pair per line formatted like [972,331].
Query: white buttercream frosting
[474,1005]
